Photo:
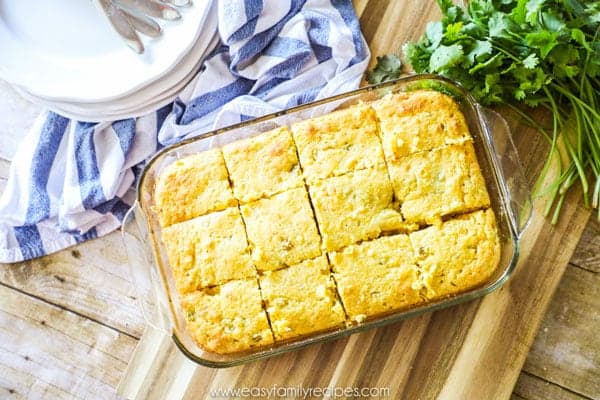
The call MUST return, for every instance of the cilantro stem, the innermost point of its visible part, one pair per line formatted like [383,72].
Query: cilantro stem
[556,214]
[596,195]
[574,98]
[546,167]
[506,53]
[574,158]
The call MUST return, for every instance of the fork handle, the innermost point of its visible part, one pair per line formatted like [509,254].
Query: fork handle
[153,8]
[118,20]
[143,24]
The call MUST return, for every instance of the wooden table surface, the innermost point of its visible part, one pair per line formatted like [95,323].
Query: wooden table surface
[70,322]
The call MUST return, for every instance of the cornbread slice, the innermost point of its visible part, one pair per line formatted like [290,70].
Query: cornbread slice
[354,207]
[301,299]
[419,121]
[208,250]
[458,255]
[281,230]
[339,142]
[376,277]
[227,318]
[263,165]
[192,186]
[439,183]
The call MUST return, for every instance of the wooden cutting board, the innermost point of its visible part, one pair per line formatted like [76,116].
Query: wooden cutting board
[472,351]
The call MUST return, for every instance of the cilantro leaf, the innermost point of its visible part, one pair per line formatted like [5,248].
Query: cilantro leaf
[434,32]
[578,36]
[454,31]
[531,61]
[445,57]
[481,49]
[418,55]
[552,21]
[545,41]
[387,68]
[533,7]
[519,13]
[498,25]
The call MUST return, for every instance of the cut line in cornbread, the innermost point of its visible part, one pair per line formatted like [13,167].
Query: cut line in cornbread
[376,277]
[302,230]
[227,318]
[208,250]
[301,299]
[432,185]
[192,186]
[354,207]
[458,255]
[281,230]
[263,165]
[337,143]
[419,121]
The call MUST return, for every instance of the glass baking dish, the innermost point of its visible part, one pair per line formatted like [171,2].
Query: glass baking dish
[509,194]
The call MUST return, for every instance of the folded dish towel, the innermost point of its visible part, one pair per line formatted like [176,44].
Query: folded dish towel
[71,181]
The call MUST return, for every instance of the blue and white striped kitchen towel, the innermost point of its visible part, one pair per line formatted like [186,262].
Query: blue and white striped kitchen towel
[71,181]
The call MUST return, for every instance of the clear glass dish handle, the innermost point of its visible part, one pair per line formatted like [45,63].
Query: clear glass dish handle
[150,291]
[510,166]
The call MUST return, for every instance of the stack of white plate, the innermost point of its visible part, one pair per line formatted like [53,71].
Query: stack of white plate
[63,54]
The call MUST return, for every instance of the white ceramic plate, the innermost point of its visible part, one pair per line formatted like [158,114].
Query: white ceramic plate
[134,107]
[75,56]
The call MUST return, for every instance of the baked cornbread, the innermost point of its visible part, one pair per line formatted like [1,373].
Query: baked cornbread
[373,209]
[263,165]
[192,186]
[354,207]
[458,255]
[301,299]
[419,121]
[377,276]
[338,143]
[227,318]
[281,230]
[438,183]
[208,250]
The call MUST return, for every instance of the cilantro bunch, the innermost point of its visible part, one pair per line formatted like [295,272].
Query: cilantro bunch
[542,53]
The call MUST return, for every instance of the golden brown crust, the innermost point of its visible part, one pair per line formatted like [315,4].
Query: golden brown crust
[419,121]
[281,230]
[263,165]
[438,183]
[192,186]
[208,250]
[376,277]
[458,255]
[354,207]
[337,143]
[227,318]
[301,299]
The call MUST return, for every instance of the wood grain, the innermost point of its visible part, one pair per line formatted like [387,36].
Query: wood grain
[587,255]
[567,348]
[388,25]
[531,387]
[153,352]
[92,280]
[34,367]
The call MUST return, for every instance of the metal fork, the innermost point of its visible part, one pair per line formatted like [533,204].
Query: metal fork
[128,17]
